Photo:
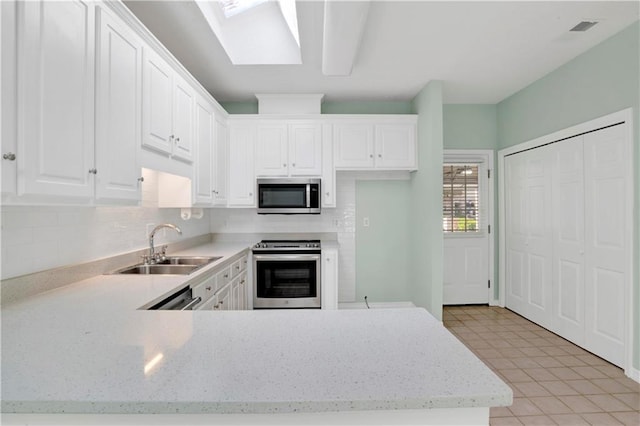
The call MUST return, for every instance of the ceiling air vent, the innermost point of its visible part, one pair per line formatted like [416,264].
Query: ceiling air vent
[583,26]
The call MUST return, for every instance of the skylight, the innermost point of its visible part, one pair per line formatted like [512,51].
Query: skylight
[233,7]
[255,32]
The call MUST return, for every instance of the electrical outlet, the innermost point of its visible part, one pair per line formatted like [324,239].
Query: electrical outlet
[365,222]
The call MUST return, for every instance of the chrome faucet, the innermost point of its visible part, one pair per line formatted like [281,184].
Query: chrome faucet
[153,256]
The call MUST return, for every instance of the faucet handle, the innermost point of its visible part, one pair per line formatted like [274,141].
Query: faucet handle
[146,259]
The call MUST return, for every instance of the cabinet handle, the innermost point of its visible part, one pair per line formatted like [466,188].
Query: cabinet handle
[242,282]
[141,179]
[177,140]
[251,194]
[226,275]
[379,155]
[284,165]
[370,155]
[208,288]
[93,171]
[9,156]
[294,164]
[327,194]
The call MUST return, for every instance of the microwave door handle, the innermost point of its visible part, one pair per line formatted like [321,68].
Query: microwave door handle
[308,195]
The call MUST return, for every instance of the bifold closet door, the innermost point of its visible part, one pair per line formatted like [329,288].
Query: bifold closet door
[528,234]
[568,239]
[607,241]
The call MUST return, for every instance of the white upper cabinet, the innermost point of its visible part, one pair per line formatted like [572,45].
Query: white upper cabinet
[328,170]
[167,109]
[289,149]
[242,180]
[220,163]
[370,144]
[204,141]
[55,149]
[305,149]
[272,156]
[353,144]
[118,109]
[395,146]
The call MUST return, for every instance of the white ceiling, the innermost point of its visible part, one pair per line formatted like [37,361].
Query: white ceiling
[482,51]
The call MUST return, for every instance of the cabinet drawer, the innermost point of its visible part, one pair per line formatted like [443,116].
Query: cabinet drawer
[206,289]
[223,277]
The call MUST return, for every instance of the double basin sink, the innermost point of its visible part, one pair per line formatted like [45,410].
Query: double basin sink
[171,265]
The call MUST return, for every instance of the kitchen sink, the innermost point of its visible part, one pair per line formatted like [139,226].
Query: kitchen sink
[172,265]
[188,260]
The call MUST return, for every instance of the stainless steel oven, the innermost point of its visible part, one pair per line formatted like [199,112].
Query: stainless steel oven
[286,274]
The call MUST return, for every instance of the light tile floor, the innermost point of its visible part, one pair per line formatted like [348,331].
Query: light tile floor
[553,380]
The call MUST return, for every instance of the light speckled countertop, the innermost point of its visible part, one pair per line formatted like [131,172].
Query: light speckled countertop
[83,348]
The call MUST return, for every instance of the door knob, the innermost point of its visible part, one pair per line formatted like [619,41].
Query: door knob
[9,156]
[93,171]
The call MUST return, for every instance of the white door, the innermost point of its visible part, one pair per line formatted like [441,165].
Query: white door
[220,163]
[568,239]
[157,102]
[305,149]
[56,98]
[353,145]
[395,146]
[608,234]
[204,141]
[183,100]
[466,213]
[271,150]
[241,172]
[529,239]
[118,110]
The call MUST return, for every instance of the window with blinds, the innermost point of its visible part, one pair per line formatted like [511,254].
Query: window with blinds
[460,198]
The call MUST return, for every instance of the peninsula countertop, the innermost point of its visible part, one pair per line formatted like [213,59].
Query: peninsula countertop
[87,348]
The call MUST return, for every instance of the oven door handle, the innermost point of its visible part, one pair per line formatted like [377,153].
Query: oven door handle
[191,304]
[280,256]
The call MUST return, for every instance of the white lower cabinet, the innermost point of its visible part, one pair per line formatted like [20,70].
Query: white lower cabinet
[225,289]
[329,289]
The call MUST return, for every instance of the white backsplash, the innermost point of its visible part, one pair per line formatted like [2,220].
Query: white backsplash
[39,238]
[340,220]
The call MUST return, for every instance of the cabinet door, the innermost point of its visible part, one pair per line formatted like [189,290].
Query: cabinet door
[395,146]
[305,149]
[241,171]
[329,290]
[56,98]
[353,145]
[328,171]
[118,109]
[223,299]
[8,89]
[183,101]
[221,164]
[157,103]
[204,141]
[235,294]
[271,150]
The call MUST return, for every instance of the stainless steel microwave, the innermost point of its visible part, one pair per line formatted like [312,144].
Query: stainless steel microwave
[289,196]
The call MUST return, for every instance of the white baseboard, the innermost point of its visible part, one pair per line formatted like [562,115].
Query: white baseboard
[633,374]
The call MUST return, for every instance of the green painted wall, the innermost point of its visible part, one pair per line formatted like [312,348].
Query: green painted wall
[603,80]
[470,126]
[475,127]
[240,107]
[425,212]
[383,248]
[367,107]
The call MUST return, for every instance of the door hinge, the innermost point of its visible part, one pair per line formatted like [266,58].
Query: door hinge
[488,283]
[489,173]
[489,228]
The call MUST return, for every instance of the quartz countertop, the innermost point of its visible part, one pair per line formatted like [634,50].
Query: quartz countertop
[87,348]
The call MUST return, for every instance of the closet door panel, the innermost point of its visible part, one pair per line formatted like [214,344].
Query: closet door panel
[515,202]
[608,233]
[568,239]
